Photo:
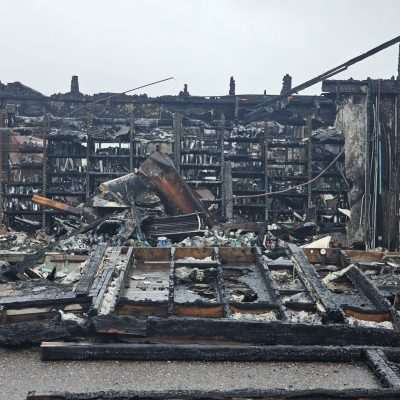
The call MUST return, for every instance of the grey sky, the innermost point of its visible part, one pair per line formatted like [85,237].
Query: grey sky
[118,44]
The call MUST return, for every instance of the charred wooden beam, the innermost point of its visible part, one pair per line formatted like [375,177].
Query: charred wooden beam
[34,332]
[98,291]
[362,283]
[87,279]
[269,284]
[171,283]
[253,115]
[53,351]
[378,362]
[178,118]
[119,325]
[228,191]
[270,333]
[311,280]
[56,205]
[115,266]
[51,299]
[221,283]
[270,394]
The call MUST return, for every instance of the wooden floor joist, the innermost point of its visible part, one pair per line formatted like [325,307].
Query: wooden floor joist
[34,332]
[362,283]
[270,333]
[52,351]
[123,325]
[311,280]
[87,279]
[269,284]
[277,394]
[378,362]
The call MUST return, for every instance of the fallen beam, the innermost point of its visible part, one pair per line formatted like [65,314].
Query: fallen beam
[271,394]
[56,205]
[85,212]
[378,362]
[332,312]
[270,285]
[362,283]
[34,332]
[119,325]
[270,333]
[87,279]
[52,351]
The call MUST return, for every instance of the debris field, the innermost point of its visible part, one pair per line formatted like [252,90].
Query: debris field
[240,228]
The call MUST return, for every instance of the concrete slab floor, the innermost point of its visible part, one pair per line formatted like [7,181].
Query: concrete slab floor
[22,371]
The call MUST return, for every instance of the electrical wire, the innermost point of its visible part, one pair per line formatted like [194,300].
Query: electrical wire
[119,94]
[293,187]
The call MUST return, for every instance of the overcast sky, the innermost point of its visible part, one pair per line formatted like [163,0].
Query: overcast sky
[115,45]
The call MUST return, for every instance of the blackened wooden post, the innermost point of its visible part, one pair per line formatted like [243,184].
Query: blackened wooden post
[171,283]
[236,111]
[132,145]
[221,136]
[178,140]
[309,161]
[332,312]
[221,283]
[89,146]
[44,168]
[4,168]
[227,182]
[265,159]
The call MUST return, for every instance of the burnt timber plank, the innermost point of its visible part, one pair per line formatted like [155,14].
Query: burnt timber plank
[53,351]
[270,333]
[221,284]
[362,283]
[378,362]
[311,280]
[103,276]
[271,394]
[115,268]
[87,279]
[63,298]
[123,325]
[171,283]
[34,332]
[269,284]
[393,354]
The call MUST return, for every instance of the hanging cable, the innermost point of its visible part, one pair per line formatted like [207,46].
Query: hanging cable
[293,187]
[118,94]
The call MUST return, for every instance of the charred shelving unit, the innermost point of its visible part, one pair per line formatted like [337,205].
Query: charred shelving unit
[199,157]
[109,158]
[287,161]
[22,165]
[330,192]
[66,169]
[247,156]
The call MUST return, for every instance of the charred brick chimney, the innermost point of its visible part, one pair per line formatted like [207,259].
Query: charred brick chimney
[75,85]
[232,87]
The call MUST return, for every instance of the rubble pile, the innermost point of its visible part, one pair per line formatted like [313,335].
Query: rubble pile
[150,231]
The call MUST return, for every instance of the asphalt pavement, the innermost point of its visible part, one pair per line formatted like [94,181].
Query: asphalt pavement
[23,371]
